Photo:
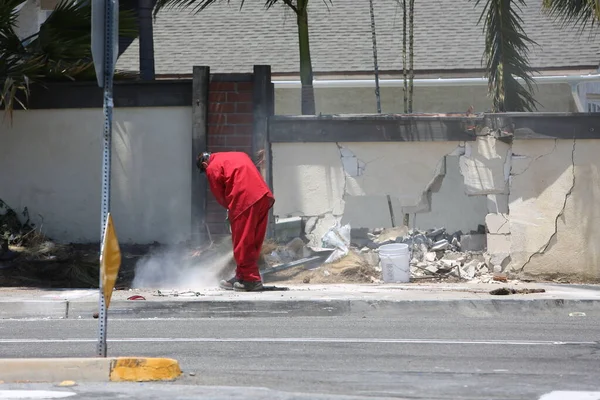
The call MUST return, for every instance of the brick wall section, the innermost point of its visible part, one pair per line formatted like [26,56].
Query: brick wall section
[230,128]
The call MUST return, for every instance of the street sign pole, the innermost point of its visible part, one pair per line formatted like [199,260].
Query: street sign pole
[105,14]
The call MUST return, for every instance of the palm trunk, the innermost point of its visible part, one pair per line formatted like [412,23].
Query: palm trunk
[404,56]
[306,72]
[146,40]
[411,54]
[375,63]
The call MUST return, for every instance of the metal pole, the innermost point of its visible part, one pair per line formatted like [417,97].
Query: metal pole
[106,158]
[375,57]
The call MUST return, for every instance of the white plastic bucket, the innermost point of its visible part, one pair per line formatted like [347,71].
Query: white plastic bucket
[394,260]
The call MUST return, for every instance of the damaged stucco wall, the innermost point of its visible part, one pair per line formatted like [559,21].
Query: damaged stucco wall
[535,194]
[369,185]
[553,209]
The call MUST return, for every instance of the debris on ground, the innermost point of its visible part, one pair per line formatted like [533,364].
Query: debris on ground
[435,253]
[506,291]
[30,258]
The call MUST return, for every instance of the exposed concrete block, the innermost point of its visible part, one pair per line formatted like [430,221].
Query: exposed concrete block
[475,242]
[288,228]
[497,224]
[486,166]
[367,212]
[450,206]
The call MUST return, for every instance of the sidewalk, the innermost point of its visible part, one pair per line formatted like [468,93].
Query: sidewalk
[300,300]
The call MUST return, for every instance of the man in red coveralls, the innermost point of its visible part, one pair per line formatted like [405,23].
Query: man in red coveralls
[238,186]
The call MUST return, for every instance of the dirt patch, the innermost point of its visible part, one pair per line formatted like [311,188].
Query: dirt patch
[352,268]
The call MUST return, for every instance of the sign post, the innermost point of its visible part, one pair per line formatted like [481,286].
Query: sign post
[105,49]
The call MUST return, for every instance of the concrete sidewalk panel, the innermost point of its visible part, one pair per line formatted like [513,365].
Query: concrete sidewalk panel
[55,369]
[33,309]
[52,370]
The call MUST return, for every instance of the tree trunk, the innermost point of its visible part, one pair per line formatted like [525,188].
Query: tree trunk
[404,22]
[411,54]
[146,40]
[306,72]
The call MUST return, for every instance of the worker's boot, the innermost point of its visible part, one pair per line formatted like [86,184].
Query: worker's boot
[248,286]
[228,284]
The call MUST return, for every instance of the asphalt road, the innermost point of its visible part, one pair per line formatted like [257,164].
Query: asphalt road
[432,356]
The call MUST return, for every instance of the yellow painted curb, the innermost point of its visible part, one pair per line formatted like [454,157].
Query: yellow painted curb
[144,369]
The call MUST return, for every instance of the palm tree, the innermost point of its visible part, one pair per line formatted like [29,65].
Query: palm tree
[577,12]
[60,50]
[507,46]
[300,8]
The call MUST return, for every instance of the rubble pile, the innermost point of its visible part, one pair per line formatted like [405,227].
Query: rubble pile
[435,253]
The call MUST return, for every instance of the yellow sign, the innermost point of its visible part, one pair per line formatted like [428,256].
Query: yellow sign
[110,260]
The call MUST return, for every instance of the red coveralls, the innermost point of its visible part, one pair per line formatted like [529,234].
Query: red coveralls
[238,186]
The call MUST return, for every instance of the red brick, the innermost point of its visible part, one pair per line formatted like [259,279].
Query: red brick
[237,118]
[222,108]
[217,97]
[240,97]
[221,130]
[223,87]
[217,149]
[244,86]
[244,130]
[244,107]
[239,141]
[217,118]
[217,140]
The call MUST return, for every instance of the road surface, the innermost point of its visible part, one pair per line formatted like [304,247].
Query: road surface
[429,356]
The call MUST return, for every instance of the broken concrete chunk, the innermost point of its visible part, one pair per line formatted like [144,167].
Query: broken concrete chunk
[441,245]
[497,224]
[390,234]
[296,245]
[473,242]
[430,256]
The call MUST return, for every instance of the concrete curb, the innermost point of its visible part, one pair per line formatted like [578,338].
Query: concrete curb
[122,369]
[288,308]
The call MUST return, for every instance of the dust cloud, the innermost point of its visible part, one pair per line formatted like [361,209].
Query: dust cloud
[176,269]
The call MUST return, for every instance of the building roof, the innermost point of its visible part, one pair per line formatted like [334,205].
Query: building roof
[447,38]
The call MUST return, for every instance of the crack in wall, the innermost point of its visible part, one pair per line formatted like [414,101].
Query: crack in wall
[561,212]
[534,160]
[345,188]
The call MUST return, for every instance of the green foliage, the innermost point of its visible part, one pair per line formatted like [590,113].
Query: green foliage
[60,50]
[577,12]
[506,49]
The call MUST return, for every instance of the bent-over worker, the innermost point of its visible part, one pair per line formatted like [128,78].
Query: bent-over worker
[238,186]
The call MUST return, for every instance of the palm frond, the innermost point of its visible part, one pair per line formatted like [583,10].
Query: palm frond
[506,56]
[577,12]
[59,51]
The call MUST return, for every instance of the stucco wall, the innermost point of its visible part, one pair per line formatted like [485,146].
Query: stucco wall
[554,97]
[537,198]
[50,162]
[553,212]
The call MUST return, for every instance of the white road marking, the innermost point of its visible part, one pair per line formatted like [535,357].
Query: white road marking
[304,340]
[564,395]
[33,394]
